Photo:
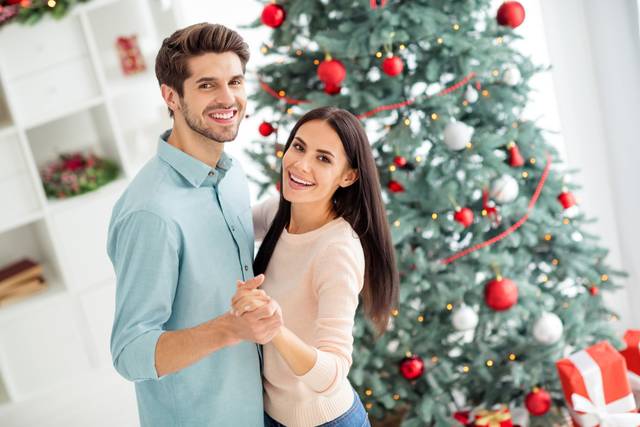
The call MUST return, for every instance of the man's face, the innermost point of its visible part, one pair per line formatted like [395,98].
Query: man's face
[214,100]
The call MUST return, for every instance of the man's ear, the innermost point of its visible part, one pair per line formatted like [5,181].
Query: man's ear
[170,97]
[349,178]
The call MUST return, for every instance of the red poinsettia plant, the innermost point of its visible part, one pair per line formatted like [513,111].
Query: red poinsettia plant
[77,173]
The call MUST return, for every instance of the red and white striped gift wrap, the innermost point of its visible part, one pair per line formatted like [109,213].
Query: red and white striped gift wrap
[596,388]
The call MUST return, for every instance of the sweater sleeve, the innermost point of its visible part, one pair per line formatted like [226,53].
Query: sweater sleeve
[338,277]
[263,214]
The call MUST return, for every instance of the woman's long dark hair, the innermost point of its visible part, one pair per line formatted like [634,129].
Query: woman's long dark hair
[360,204]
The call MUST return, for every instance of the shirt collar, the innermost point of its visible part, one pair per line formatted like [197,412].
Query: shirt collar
[192,169]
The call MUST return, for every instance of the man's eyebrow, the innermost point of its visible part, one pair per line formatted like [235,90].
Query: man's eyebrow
[215,79]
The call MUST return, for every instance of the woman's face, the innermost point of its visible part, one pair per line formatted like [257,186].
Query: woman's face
[315,165]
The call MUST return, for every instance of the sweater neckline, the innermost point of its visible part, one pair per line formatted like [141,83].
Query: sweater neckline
[310,235]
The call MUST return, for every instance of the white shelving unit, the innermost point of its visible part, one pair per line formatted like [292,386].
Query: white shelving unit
[61,90]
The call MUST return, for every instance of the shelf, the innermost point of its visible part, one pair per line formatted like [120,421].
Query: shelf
[53,290]
[21,221]
[17,191]
[58,205]
[5,116]
[108,23]
[4,396]
[92,133]
[7,130]
[63,113]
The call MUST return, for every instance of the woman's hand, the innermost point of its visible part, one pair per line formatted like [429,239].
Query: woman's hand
[248,298]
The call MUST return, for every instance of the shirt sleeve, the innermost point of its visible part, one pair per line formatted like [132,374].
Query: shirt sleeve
[263,214]
[338,278]
[145,255]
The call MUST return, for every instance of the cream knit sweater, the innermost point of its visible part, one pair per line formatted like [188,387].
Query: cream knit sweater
[316,278]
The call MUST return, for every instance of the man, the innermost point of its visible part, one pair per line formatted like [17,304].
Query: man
[180,238]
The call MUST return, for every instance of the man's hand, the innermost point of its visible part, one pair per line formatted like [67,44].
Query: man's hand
[256,316]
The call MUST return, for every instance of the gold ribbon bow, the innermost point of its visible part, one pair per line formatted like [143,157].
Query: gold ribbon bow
[492,418]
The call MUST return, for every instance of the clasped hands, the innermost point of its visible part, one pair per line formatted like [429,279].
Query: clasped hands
[259,317]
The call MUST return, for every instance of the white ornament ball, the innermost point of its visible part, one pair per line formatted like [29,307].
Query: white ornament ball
[464,318]
[471,95]
[418,89]
[457,135]
[548,329]
[512,76]
[504,189]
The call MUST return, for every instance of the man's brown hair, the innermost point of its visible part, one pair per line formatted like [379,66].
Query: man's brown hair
[195,40]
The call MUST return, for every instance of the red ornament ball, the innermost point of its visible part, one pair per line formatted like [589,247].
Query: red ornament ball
[265,129]
[331,89]
[501,294]
[464,216]
[400,161]
[538,402]
[273,15]
[515,158]
[395,187]
[412,367]
[594,290]
[392,66]
[511,14]
[567,199]
[331,72]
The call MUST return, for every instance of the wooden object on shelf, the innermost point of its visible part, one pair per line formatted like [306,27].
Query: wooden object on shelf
[17,273]
[23,290]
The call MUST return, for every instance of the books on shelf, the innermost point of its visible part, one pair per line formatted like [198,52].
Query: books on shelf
[19,280]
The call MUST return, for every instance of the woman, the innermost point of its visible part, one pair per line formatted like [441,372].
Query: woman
[328,242]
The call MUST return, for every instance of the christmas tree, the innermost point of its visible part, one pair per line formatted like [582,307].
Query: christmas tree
[499,279]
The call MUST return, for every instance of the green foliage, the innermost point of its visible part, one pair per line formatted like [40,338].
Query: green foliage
[37,9]
[552,275]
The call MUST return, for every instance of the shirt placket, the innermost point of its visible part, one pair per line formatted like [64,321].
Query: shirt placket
[234,228]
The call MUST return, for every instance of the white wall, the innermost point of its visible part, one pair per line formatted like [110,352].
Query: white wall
[596,58]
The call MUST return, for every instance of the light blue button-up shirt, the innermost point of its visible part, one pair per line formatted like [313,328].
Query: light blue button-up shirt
[180,237]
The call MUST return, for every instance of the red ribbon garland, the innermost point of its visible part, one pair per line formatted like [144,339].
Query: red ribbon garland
[514,227]
[376,110]
[275,94]
[444,91]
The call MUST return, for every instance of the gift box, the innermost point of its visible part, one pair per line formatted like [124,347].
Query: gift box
[631,355]
[596,388]
[496,418]
[131,59]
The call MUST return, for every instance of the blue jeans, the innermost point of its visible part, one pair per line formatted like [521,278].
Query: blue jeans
[356,416]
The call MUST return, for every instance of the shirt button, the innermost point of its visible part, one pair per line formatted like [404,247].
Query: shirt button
[211,173]
[246,268]
[233,228]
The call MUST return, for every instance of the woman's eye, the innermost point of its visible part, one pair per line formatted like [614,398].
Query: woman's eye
[324,159]
[298,147]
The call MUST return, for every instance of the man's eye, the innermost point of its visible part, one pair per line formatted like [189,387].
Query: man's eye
[236,82]
[206,86]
